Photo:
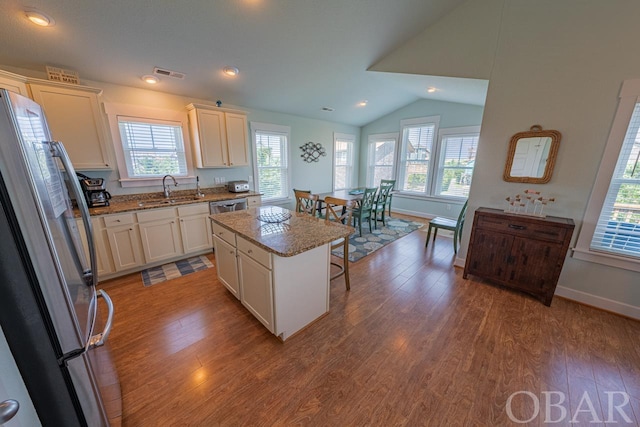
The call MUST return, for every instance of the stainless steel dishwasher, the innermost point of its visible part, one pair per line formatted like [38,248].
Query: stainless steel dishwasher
[227,205]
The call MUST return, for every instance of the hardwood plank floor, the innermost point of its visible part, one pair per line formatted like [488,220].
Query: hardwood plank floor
[411,344]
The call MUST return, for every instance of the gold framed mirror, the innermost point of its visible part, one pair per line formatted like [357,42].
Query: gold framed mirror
[532,155]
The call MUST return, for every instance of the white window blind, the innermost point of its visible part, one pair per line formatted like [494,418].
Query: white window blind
[618,228]
[271,164]
[152,148]
[416,156]
[457,159]
[382,155]
[343,161]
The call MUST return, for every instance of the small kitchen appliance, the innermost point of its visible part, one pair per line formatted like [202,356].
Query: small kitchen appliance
[238,186]
[94,191]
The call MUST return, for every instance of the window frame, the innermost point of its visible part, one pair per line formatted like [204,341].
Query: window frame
[349,167]
[150,115]
[268,128]
[372,140]
[401,158]
[463,131]
[629,97]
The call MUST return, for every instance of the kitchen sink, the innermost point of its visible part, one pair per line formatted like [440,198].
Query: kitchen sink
[167,202]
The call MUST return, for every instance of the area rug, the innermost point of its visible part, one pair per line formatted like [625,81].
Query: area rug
[173,270]
[360,247]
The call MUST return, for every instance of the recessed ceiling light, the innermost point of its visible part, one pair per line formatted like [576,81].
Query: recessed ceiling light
[39,18]
[231,71]
[431,89]
[363,103]
[150,79]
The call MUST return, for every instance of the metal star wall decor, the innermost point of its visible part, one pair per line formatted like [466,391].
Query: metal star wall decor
[311,151]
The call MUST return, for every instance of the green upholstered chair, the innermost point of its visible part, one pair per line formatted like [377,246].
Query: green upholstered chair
[380,205]
[388,201]
[365,209]
[340,210]
[448,224]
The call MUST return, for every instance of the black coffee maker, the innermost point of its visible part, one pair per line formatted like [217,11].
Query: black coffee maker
[94,191]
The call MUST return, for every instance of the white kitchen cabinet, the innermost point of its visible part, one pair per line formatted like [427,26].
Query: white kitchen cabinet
[74,117]
[256,289]
[227,268]
[14,83]
[254,201]
[219,137]
[160,234]
[103,258]
[124,241]
[195,227]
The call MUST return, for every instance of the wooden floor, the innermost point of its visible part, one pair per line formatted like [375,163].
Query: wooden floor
[411,344]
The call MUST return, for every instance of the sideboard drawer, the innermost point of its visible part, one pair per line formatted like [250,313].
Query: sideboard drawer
[523,228]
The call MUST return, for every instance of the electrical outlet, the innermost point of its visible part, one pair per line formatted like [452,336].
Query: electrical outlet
[223,180]
[217,180]
[448,207]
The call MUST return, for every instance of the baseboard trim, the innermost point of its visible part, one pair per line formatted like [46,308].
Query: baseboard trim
[412,213]
[599,302]
[459,262]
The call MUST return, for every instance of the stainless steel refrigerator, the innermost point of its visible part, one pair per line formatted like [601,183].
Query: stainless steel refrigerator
[48,297]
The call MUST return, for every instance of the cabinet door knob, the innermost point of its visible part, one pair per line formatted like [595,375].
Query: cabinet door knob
[249,251]
[517,227]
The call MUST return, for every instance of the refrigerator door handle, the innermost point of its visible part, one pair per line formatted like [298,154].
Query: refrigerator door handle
[90,276]
[99,339]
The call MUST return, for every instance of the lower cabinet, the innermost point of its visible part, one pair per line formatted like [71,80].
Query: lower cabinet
[160,234]
[124,241]
[284,293]
[103,258]
[256,289]
[226,263]
[195,227]
[519,252]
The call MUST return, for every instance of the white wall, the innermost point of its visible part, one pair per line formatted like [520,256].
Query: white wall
[451,115]
[559,64]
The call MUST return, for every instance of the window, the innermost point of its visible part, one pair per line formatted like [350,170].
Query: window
[611,228]
[416,156]
[381,158]
[458,148]
[342,160]
[152,148]
[272,160]
[149,143]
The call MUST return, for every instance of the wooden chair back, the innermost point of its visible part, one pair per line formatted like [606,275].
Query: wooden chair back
[306,202]
[339,210]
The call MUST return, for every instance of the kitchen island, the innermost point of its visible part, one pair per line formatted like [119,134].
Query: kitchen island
[276,262]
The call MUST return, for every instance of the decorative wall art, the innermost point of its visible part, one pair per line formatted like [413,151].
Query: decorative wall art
[532,203]
[311,151]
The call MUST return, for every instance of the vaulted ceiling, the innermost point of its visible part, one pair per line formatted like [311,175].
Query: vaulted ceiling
[294,56]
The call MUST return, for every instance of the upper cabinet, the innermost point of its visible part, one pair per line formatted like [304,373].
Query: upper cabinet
[74,117]
[13,82]
[220,137]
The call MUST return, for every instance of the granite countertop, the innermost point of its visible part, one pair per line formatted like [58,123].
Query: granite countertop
[142,201]
[297,234]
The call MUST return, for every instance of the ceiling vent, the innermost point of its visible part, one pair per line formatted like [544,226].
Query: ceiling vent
[168,73]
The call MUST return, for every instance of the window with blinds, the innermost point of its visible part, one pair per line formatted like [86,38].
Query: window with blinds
[342,161]
[271,164]
[416,156]
[381,158]
[152,148]
[455,168]
[618,228]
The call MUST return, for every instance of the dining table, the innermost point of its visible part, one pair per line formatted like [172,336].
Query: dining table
[354,194]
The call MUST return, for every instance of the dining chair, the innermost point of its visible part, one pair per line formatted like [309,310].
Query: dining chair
[448,224]
[306,202]
[365,209]
[340,210]
[393,183]
[380,204]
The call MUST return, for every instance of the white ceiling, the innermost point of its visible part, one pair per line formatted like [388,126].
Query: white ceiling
[294,56]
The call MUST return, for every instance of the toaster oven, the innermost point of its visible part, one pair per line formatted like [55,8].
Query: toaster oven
[238,186]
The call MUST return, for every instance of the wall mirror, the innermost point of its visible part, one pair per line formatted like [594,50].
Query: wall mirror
[532,155]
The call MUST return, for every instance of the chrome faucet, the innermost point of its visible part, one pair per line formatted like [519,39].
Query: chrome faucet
[165,189]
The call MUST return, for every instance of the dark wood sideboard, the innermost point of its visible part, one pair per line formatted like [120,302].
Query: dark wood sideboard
[517,251]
